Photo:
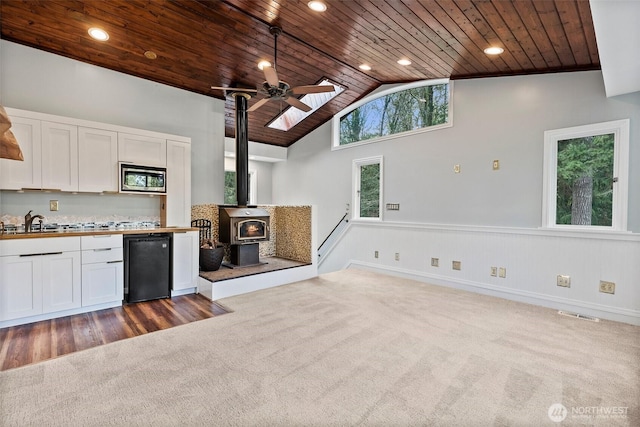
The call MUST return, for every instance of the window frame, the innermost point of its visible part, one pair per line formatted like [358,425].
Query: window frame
[335,122]
[356,174]
[253,185]
[619,209]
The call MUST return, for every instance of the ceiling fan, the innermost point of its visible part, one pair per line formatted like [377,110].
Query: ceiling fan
[275,89]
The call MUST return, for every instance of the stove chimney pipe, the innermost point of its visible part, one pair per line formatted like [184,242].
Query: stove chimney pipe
[242,148]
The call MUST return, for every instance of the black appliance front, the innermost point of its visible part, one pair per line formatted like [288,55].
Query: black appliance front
[147,267]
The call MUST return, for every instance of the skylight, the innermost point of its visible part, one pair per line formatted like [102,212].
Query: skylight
[292,116]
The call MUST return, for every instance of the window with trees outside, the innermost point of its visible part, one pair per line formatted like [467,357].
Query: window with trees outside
[585,172]
[230,197]
[367,188]
[414,107]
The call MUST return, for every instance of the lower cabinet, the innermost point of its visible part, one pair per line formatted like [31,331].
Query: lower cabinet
[185,260]
[102,270]
[39,276]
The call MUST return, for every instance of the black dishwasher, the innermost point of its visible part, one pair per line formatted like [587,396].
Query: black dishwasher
[147,266]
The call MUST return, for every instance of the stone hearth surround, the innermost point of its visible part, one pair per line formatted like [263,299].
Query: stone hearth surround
[290,230]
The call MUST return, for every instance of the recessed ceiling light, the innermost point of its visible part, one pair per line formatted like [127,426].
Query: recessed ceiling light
[150,54]
[404,61]
[493,50]
[317,6]
[365,67]
[263,64]
[98,34]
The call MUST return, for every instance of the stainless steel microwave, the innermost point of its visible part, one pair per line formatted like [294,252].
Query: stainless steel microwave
[142,179]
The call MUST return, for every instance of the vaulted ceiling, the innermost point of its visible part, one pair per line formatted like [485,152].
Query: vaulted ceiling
[204,43]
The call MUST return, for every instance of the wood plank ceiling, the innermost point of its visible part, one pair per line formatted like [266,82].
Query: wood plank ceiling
[200,43]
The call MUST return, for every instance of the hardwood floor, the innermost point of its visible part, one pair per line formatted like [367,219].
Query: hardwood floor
[25,344]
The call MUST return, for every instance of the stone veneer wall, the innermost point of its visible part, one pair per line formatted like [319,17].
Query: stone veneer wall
[294,232]
[290,230]
[210,212]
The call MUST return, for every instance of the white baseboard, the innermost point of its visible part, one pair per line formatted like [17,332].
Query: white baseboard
[549,301]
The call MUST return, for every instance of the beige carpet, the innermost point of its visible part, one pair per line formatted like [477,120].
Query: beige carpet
[347,348]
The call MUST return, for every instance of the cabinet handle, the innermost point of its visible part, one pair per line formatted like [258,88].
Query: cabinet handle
[113,262]
[102,250]
[42,254]
[101,236]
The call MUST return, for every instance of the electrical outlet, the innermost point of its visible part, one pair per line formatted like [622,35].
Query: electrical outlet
[435,262]
[607,287]
[456,168]
[53,205]
[397,256]
[375,254]
[494,271]
[456,265]
[564,281]
[502,272]
[496,165]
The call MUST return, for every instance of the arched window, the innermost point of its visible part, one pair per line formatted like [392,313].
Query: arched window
[401,110]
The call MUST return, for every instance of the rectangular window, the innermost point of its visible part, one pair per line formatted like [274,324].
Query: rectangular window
[585,172]
[367,179]
[230,197]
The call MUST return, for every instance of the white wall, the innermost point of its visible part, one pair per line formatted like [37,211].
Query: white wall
[481,217]
[494,118]
[35,80]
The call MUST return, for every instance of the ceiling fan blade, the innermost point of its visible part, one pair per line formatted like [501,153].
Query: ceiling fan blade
[271,76]
[295,102]
[234,89]
[299,90]
[258,104]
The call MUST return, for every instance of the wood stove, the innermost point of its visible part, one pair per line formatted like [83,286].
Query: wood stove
[243,228]
[243,225]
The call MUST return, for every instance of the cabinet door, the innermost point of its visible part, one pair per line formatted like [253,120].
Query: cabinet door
[185,260]
[20,287]
[142,150]
[15,175]
[61,286]
[97,160]
[178,204]
[102,283]
[59,156]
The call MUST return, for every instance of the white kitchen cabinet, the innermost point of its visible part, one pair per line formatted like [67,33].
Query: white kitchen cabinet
[61,287]
[59,156]
[14,174]
[97,160]
[21,287]
[185,260]
[178,199]
[39,276]
[142,150]
[102,269]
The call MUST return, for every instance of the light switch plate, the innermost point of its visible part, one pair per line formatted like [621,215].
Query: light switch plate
[53,205]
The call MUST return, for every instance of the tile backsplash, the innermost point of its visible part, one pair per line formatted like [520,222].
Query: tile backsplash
[75,208]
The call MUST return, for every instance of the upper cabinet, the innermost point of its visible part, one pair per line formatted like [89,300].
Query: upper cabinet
[50,152]
[97,160]
[178,206]
[142,150]
[16,175]
[59,156]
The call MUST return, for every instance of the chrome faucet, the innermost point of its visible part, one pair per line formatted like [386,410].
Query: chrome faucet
[28,220]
